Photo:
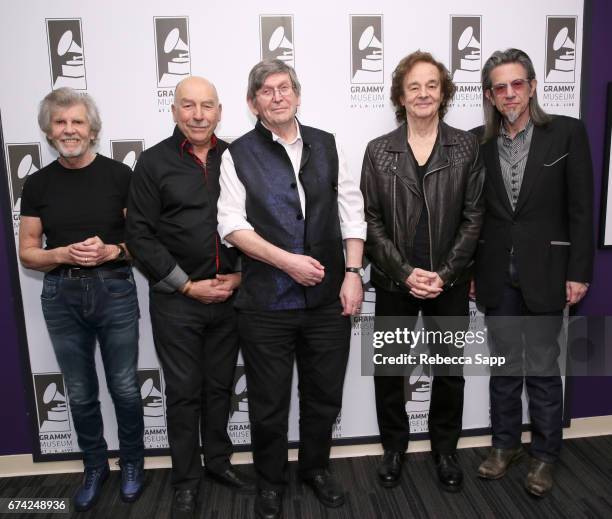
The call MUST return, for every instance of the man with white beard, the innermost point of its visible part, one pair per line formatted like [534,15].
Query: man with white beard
[172,233]
[78,203]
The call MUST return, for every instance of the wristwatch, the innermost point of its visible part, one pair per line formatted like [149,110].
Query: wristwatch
[355,270]
[122,253]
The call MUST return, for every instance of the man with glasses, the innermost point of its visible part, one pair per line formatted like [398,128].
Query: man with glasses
[534,257]
[288,202]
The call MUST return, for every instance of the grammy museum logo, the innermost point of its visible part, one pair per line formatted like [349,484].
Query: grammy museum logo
[417,394]
[66,54]
[559,90]
[152,396]
[172,56]
[239,427]
[22,159]
[276,38]
[127,151]
[367,65]
[466,59]
[54,428]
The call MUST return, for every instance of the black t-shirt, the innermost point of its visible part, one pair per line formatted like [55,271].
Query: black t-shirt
[421,257]
[76,204]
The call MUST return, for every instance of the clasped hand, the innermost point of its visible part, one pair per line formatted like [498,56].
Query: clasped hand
[424,284]
[89,253]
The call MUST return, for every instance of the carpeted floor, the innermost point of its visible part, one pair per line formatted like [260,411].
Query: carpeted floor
[583,490]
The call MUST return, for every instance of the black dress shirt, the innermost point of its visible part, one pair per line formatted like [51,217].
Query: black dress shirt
[172,215]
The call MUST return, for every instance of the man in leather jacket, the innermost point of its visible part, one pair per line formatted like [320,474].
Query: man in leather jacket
[422,185]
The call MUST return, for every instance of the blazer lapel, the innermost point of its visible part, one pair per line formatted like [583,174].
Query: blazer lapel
[494,175]
[538,150]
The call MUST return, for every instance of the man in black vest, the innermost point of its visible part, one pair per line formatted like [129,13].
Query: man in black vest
[172,233]
[288,202]
[535,256]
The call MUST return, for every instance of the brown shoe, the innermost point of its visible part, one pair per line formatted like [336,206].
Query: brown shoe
[539,478]
[497,462]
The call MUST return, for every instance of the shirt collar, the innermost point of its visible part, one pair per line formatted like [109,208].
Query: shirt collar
[185,145]
[276,138]
[522,133]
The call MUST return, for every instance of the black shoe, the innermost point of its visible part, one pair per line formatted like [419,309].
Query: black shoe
[390,468]
[132,480]
[184,503]
[327,489]
[89,491]
[449,472]
[268,504]
[232,477]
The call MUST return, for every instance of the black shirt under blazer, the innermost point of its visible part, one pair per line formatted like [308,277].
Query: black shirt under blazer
[551,230]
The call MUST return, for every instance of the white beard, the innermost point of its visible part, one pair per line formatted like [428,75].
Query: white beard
[512,117]
[73,152]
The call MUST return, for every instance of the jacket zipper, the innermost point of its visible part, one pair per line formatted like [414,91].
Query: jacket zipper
[394,207]
[429,215]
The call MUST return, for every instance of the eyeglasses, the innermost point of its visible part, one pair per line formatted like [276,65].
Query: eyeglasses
[268,93]
[518,86]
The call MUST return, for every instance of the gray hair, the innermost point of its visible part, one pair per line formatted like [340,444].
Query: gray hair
[491,116]
[260,72]
[66,97]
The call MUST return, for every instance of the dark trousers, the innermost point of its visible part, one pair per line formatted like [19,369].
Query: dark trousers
[197,345]
[318,340]
[529,343]
[446,404]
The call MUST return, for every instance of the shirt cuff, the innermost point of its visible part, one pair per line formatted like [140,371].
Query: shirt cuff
[172,282]
[227,227]
[353,230]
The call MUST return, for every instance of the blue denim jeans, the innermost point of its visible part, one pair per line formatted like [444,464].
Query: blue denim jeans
[77,312]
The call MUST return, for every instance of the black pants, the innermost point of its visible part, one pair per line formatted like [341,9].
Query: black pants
[536,339]
[446,404]
[318,340]
[197,346]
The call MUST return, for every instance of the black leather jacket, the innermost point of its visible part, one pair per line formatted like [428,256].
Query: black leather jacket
[394,199]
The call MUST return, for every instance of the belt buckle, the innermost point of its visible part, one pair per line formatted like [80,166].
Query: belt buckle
[73,273]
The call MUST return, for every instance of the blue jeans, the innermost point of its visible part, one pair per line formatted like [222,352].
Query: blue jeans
[77,312]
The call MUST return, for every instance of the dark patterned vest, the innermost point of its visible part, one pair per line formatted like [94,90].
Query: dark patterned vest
[273,209]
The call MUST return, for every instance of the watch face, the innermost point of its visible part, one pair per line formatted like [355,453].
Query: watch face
[362,272]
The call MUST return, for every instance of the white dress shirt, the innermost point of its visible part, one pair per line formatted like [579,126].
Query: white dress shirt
[231,209]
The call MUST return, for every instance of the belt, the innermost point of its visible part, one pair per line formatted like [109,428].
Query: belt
[81,273]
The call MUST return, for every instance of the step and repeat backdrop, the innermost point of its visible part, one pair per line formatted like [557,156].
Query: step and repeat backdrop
[130,55]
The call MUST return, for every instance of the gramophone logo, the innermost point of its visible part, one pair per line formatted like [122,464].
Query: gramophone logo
[151,394]
[239,428]
[465,52]
[367,63]
[337,427]
[276,38]
[417,392]
[172,50]
[369,292]
[560,49]
[23,160]
[126,151]
[51,406]
[66,56]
